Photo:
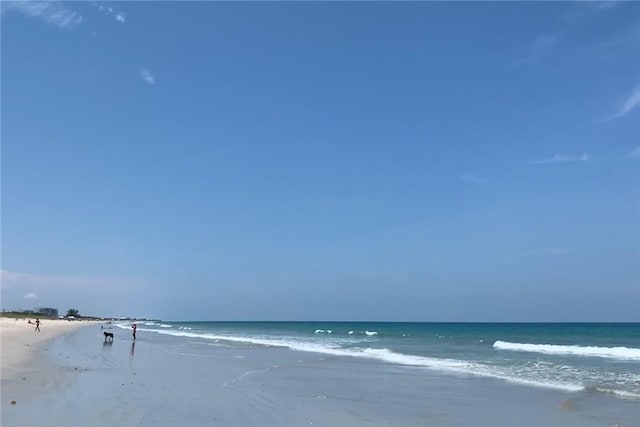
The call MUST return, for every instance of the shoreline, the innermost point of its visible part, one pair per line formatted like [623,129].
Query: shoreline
[25,368]
[167,380]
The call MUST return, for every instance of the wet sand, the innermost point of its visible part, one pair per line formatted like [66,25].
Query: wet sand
[159,380]
[25,368]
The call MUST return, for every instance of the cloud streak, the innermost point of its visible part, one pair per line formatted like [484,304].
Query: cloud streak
[119,16]
[51,12]
[628,105]
[541,45]
[602,5]
[147,76]
[577,15]
[563,158]
[31,296]
[634,154]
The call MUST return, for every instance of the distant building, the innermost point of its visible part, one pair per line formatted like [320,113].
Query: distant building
[50,312]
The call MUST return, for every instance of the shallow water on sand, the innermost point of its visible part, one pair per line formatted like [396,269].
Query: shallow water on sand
[169,380]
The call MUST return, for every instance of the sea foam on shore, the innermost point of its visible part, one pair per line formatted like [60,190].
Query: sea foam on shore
[170,376]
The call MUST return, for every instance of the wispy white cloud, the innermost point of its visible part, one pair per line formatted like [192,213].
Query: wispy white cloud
[602,5]
[628,105]
[541,45]
[563,158]
[472,178]
[634,154]
[118,16]
[578,14]
[624,43]
[51,12]
[147,76]
[31,296]
[87,293]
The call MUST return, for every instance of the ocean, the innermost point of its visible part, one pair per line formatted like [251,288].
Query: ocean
[589,357]
[343,374]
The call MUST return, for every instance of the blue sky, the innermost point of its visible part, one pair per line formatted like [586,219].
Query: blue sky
[322,161]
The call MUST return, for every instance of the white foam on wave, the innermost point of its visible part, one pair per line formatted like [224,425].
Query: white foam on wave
[573,350]
[385,355]
[367,333]
[323,331]
[447,365]
[128,325]
[621,393]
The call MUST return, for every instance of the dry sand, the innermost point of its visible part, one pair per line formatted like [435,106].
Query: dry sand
[25,369]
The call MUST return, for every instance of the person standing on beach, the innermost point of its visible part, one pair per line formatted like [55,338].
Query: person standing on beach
[37,326]
[134,326]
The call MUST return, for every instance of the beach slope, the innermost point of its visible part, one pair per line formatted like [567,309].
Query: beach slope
[25,369]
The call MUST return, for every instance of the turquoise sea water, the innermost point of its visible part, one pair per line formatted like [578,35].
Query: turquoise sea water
[585,357]
[338,374]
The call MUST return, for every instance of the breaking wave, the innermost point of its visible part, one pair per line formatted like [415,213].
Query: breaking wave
[538,373]
[572,350]
[388,356]
[367,333]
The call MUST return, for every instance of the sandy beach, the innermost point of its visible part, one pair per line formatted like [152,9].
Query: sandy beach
[186,374]
[25,369]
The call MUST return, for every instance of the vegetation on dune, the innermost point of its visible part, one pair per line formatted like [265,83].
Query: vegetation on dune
[73,312]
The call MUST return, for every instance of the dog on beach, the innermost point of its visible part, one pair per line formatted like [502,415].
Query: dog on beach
[108,336]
